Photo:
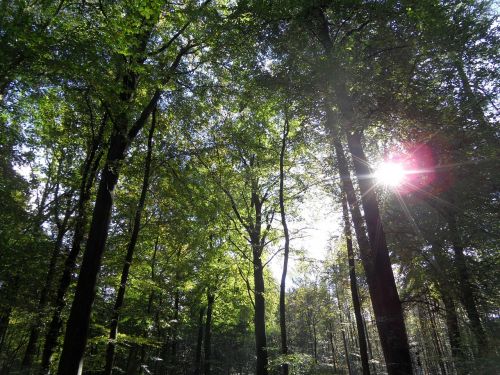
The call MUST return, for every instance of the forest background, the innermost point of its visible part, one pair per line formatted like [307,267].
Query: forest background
[239,187]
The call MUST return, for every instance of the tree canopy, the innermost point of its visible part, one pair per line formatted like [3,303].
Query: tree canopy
[170,170]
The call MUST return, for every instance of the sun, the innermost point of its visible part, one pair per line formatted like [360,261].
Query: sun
[390,174]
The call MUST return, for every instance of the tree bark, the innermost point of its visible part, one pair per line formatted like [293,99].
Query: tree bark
[62,228]
[282,306]
[436,340]
[354,288]
[8,292]
[467,296]
[79,319]
[136,227]
[208,334]
[27,363]
[452,329]
[199,343]
[473,105]
[332,345]
[260,316]
[383,291]
[89,170]
[382,286]
[344,339]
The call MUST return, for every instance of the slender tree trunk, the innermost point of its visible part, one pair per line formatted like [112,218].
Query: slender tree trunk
[27,363]
[77,327]
[382,286]
[199,343]
[284,345]
[8,292]
[344,339]
[260,316]
[315,340]
[89,171]
[452,329]
[113,332]
[473,105]
[354,289]
[332,346]
[62,227]
[346,351]
[385,297]
[257,242]
[467,296]
[131,365]
[208,334]
[4,324]
[435,338]
[174,343]
[378,271]
[369,344]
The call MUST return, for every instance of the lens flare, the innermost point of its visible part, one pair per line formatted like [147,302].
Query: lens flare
[390,174]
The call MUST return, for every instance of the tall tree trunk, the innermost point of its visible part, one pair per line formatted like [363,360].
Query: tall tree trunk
[257,243]
[8,292]
[284,345]
[208,334]
[467,296]
[378,271]
[354,288]
[4,324]
[344,339]
[257,238]
[436,340]
[452,329]
[370,350]
[75,340]
[473,105]
[383,291]
[113,331]
[89,171]
[27,363]
[174,343]
[332,346]
[315,339]
[346,352]
[62,228]
[382,286]
[260,316]
[199,343]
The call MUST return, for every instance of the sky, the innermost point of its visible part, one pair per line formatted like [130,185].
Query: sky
[319,222]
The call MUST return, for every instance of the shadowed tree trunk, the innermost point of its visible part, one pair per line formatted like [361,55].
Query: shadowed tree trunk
[467,296]
[113,331]
[382,286]
[344,339]
[282,312]
[8,292]
[452,329]
[62,228]
[383,291]
[332,346]
[27,364]
[89,170]
[79,319]
[354,288]
[260,315]
[208,334]
[199,343]
[435,338]
[123,134]
[257,239]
